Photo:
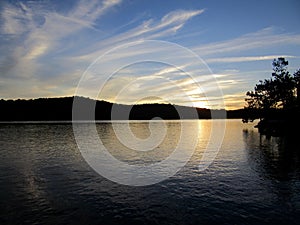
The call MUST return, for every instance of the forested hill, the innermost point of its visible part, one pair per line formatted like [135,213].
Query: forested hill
[58,109]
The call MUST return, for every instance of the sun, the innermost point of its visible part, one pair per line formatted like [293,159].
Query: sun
[200,104]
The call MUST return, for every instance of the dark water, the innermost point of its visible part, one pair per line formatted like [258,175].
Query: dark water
[44,180]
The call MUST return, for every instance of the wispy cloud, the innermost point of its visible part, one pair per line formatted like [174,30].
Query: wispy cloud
[34,36]
[170,84]
[233,101]
[89,11]
[258,40]
[148,29]
[246,58]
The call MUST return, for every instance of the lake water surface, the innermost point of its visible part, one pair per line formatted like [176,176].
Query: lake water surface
[45,180]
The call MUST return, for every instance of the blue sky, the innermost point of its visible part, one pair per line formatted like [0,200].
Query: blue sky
[47,48]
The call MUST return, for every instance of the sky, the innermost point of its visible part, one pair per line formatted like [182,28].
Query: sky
[203,53]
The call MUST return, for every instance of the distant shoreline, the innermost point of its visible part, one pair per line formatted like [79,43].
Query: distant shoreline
[60,109]
[101,121]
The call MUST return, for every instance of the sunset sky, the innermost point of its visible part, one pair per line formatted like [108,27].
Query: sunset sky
[48,46]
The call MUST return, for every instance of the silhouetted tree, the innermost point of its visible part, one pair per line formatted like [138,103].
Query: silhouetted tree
[283,84]
[278,92]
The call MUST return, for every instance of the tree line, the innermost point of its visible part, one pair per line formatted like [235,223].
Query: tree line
[60,109]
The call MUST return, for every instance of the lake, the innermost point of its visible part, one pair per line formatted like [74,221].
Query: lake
[45,180]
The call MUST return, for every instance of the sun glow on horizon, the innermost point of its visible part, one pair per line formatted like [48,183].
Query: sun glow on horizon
[200,104]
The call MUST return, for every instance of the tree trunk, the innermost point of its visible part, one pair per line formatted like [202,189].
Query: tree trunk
[298,94]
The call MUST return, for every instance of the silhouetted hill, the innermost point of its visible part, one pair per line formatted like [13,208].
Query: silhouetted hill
[59,109]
